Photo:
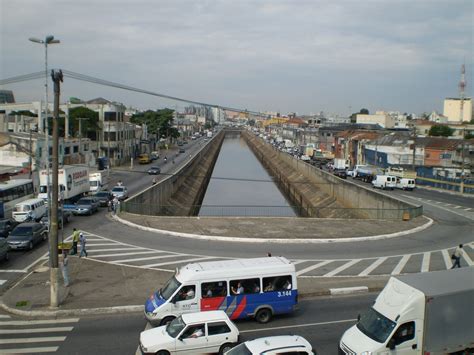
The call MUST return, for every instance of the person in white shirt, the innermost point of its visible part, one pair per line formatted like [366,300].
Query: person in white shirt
[457,256]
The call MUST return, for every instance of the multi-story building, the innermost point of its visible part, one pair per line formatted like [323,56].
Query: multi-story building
[381,118]
[452,109]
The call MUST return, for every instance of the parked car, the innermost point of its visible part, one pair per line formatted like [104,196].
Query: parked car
[27,235]
[154,170]
[281,344]
[4,249]
[340,173]
[6,226]
[181,150]
[86,206]
[64,216]
[192,333]
[104,198]
[120,192]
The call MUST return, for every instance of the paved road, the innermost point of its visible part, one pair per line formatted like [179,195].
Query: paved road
[321,321]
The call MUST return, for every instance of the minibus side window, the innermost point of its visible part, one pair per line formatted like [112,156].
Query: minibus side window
[245,286]
[277,283]
[214,289]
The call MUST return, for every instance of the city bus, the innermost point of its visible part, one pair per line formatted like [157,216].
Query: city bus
[257,288]
[13,192]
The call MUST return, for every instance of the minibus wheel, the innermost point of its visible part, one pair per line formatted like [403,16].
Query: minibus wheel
[263,315]
[166,320]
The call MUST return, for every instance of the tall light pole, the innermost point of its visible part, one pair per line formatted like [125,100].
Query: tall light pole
[48,40]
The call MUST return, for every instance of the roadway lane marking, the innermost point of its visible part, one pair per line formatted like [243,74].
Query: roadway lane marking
[37,330]
[298,326]
[4,316]
[401,265]
[2,282]
[341,268]
[148,258]
[425,264]
[468,209]
[125,254]
[15,271]
[179,261]
[457,206]
[313,267]
[467,258]
[50,349]
[31,340]
[40,321]
[296,262]
[440,207]
[373,266]
[101,244]
[113,249]
[447,259]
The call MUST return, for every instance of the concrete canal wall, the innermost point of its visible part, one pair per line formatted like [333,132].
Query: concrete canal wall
[318,193]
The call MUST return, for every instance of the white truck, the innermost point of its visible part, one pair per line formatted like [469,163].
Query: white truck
[428,313]
[73,181]
[340,164]
[98,181]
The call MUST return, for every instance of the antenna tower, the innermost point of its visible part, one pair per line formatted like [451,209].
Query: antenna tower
[462,86]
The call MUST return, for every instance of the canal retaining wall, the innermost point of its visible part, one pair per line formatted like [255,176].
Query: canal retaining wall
[182,192]
[318,193]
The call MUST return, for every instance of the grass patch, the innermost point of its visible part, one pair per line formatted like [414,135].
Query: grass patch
[21,303]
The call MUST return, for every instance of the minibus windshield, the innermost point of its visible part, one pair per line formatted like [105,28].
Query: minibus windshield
[175,327]
[375,325]
[170,288]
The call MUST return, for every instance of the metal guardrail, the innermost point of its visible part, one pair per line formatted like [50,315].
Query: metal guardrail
[272,211]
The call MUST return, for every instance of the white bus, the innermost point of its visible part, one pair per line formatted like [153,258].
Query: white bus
[13,192]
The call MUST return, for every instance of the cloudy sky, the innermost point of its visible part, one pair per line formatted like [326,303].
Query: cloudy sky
[302,56]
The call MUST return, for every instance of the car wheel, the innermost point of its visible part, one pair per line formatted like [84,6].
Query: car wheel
[263,315]
[166,320]
[45,236]
[30,246]
[163,352]
[7,256]
[225,348]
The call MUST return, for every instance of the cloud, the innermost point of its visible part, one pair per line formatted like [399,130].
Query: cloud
[253,54]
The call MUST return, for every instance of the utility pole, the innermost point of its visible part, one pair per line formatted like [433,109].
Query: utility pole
[57,77]
[414,148]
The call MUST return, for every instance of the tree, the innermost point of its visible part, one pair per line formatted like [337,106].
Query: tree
[364,111]
[89,126]
[440,131]
[469,136]
[159,122]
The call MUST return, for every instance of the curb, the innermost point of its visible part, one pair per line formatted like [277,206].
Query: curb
[348,290]
[273,240]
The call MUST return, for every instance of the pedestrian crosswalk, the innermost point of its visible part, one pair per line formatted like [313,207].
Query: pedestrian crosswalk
[33,336]
[107,250]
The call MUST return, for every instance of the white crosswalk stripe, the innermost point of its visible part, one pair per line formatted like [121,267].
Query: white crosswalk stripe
[2,282]
[26,336]
[110,251]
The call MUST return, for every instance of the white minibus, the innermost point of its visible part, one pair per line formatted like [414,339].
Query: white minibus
[405,184]
[258,288]
[30,210]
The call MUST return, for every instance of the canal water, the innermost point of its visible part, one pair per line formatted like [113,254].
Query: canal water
[240,186]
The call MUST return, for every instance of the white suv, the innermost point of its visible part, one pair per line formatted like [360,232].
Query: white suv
[282,344]
[192,333]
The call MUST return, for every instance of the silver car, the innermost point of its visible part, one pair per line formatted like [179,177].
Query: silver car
[120,192]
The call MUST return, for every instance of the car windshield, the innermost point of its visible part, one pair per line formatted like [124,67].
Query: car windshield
[375,325]
[170,288]
[22,208]
[117,189]
[240,349]
[154,168]
[22,231]
[102,194]
[83,201]
[175,327]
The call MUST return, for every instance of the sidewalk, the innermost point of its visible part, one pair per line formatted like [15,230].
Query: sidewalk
[101,288]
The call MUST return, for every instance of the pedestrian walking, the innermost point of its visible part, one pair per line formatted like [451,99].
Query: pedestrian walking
[115,203]
[457,256]
[83,240]
[75,240]
[63,264]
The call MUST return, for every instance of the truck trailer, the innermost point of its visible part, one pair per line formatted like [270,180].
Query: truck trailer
[73,181]
[427,313]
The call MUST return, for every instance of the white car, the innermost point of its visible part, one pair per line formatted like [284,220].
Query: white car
[192,333]
[120,192]
[282,344]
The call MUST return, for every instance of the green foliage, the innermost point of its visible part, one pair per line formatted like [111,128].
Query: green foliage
[364,111]
[23,113]
[469,136]
[158,122]
[89,126]
[440,131]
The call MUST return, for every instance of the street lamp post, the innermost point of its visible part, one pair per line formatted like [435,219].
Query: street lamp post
[48,40]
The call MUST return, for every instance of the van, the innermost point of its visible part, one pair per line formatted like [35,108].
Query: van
[257,288]
[384,182]
[405,184]
[144,159]
[30,210]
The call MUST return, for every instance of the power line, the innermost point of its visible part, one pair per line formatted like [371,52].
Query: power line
[20,78]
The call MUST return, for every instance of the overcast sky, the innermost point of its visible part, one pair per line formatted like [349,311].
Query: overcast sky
[288,56]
